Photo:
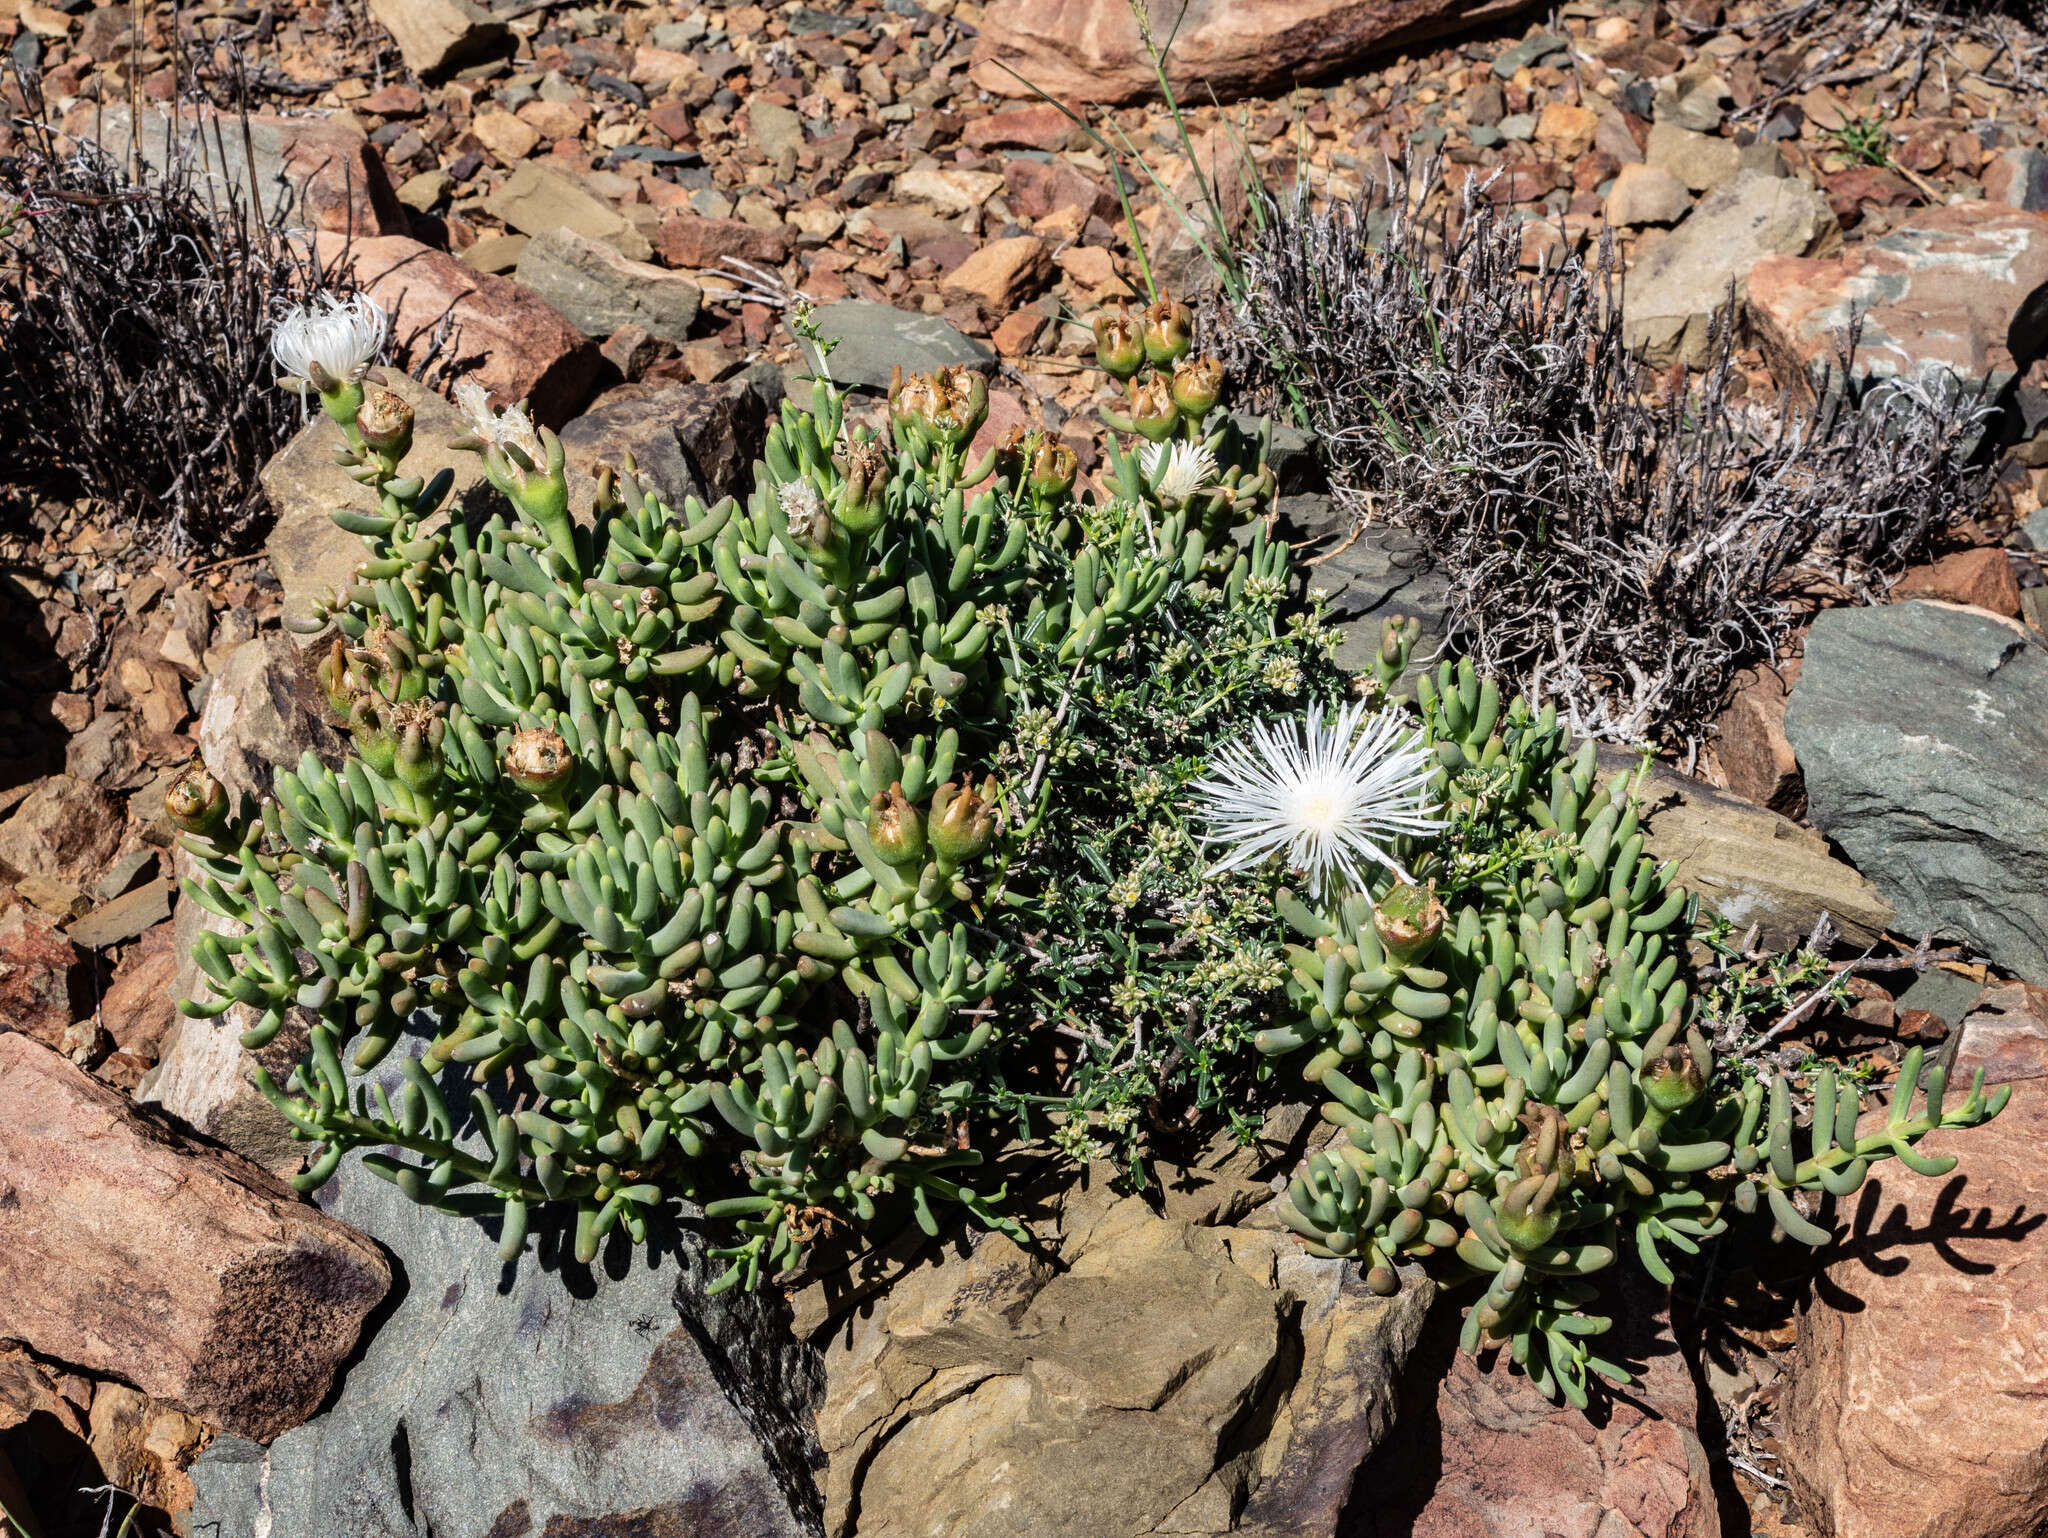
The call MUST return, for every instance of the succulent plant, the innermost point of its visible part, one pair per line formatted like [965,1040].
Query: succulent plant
[662,831]
[1523,1095]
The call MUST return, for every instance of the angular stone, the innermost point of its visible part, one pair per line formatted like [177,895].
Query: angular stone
[1035,190]
[310,554]
[184,642]
[598,291]
[1002,273]
[264,711]
[43,986]
[1921,729]
[1479,1453]
[1936,296]
[133,1251]
[1701,161]
[687,240]
[315,174]
[2018,178]
[124,918]
[1565,129]
[1090,50]
[777,133]
[873,338]
[140,1008]
[65,829]
[1981,578]
[513,343]
[1756,758]
[536,199]
[688,439]
[1039,126]
[1914,1403]
[437,35]
[950,191]
[506,135]
[1646,194]
[1675,292]
[541,1398]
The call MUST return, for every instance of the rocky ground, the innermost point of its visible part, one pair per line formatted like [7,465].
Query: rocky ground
[602,209]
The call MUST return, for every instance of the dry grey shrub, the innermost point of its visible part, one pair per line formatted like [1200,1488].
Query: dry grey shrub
[1622,552]
[136,306]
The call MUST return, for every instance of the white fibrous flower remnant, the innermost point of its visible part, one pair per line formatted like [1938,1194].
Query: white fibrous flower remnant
[1329,794]
[510,428]
[331,341]
[801,504]
[1188,470]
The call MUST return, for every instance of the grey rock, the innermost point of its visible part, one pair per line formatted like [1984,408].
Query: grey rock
[1921,729]
[1946,994]
[778,133]
[1531,50]
[873,338]
[264,710]
[1382,573]
[2018,178]
[1675,292]
[535,199]
[1519,126]
[541,1397]
[599,290]
[436,35]
[1702,161]
[687,439]
[2037,529]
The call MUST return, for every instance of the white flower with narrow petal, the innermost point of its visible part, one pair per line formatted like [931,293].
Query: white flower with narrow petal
[498,429]
[330,341]
[1177,471]
[1329,794]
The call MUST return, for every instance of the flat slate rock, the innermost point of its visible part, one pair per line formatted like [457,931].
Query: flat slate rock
[1921,729]
[874,338]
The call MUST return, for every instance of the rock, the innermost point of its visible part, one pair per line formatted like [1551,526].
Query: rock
[427,191]
[875,337]
[1566,129]
[1914,1402]
[184,642]
[950,191]
[124,917]
[140,1006]
[43,987]
[686,240]
[541,1398]
[777,133]
[990,1391]
[1646,194]
[263,712]
[315,174]
[1936,296]
[2018,178]
[510,341]
[64,829]
[1701,161]
[437,35]
[135,1252]
[1981,578]
[1753,866]
[311,556]
[1382,574]
[1036,190]
[1675,292]
[599,291]
[1920,729]
[495,253]
[536,199]
[1479,1453]
[506,135]
[688,439]
[1756,758]
[1002,273]
[1038,126]
[1090,50]
[145,1446]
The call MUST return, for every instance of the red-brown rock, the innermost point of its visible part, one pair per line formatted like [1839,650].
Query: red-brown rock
[688,240]
[521,347]
[1035,188]
[140,1007]
[1936,296]
[1498,1460]
[1981,578]
[1756,760]
[1001,273]
[136,1252]
[1915,1402]
[42,986]
[1850,192]
[1039,126]
[1090,50]
[65,829]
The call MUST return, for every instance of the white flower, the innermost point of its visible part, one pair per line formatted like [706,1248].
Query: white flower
[1326,793]
[801,505]
[511,427]
[1177,471]
[338,337]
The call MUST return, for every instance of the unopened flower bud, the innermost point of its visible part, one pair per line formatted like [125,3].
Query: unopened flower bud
[1408,921]
[418,758]
[1672,1079]
[376,739]
[1153,413]
[1169,330]
[196,803]
[1197,386]
[385,421]
[1528,1216]
[862,494]
[1119,345]
[538,762]
[947,405]
[1053,469]
[963,823]
[895,827]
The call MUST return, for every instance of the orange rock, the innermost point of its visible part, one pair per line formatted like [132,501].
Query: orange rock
[1981,578]
[1001,273]
[1756,759]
